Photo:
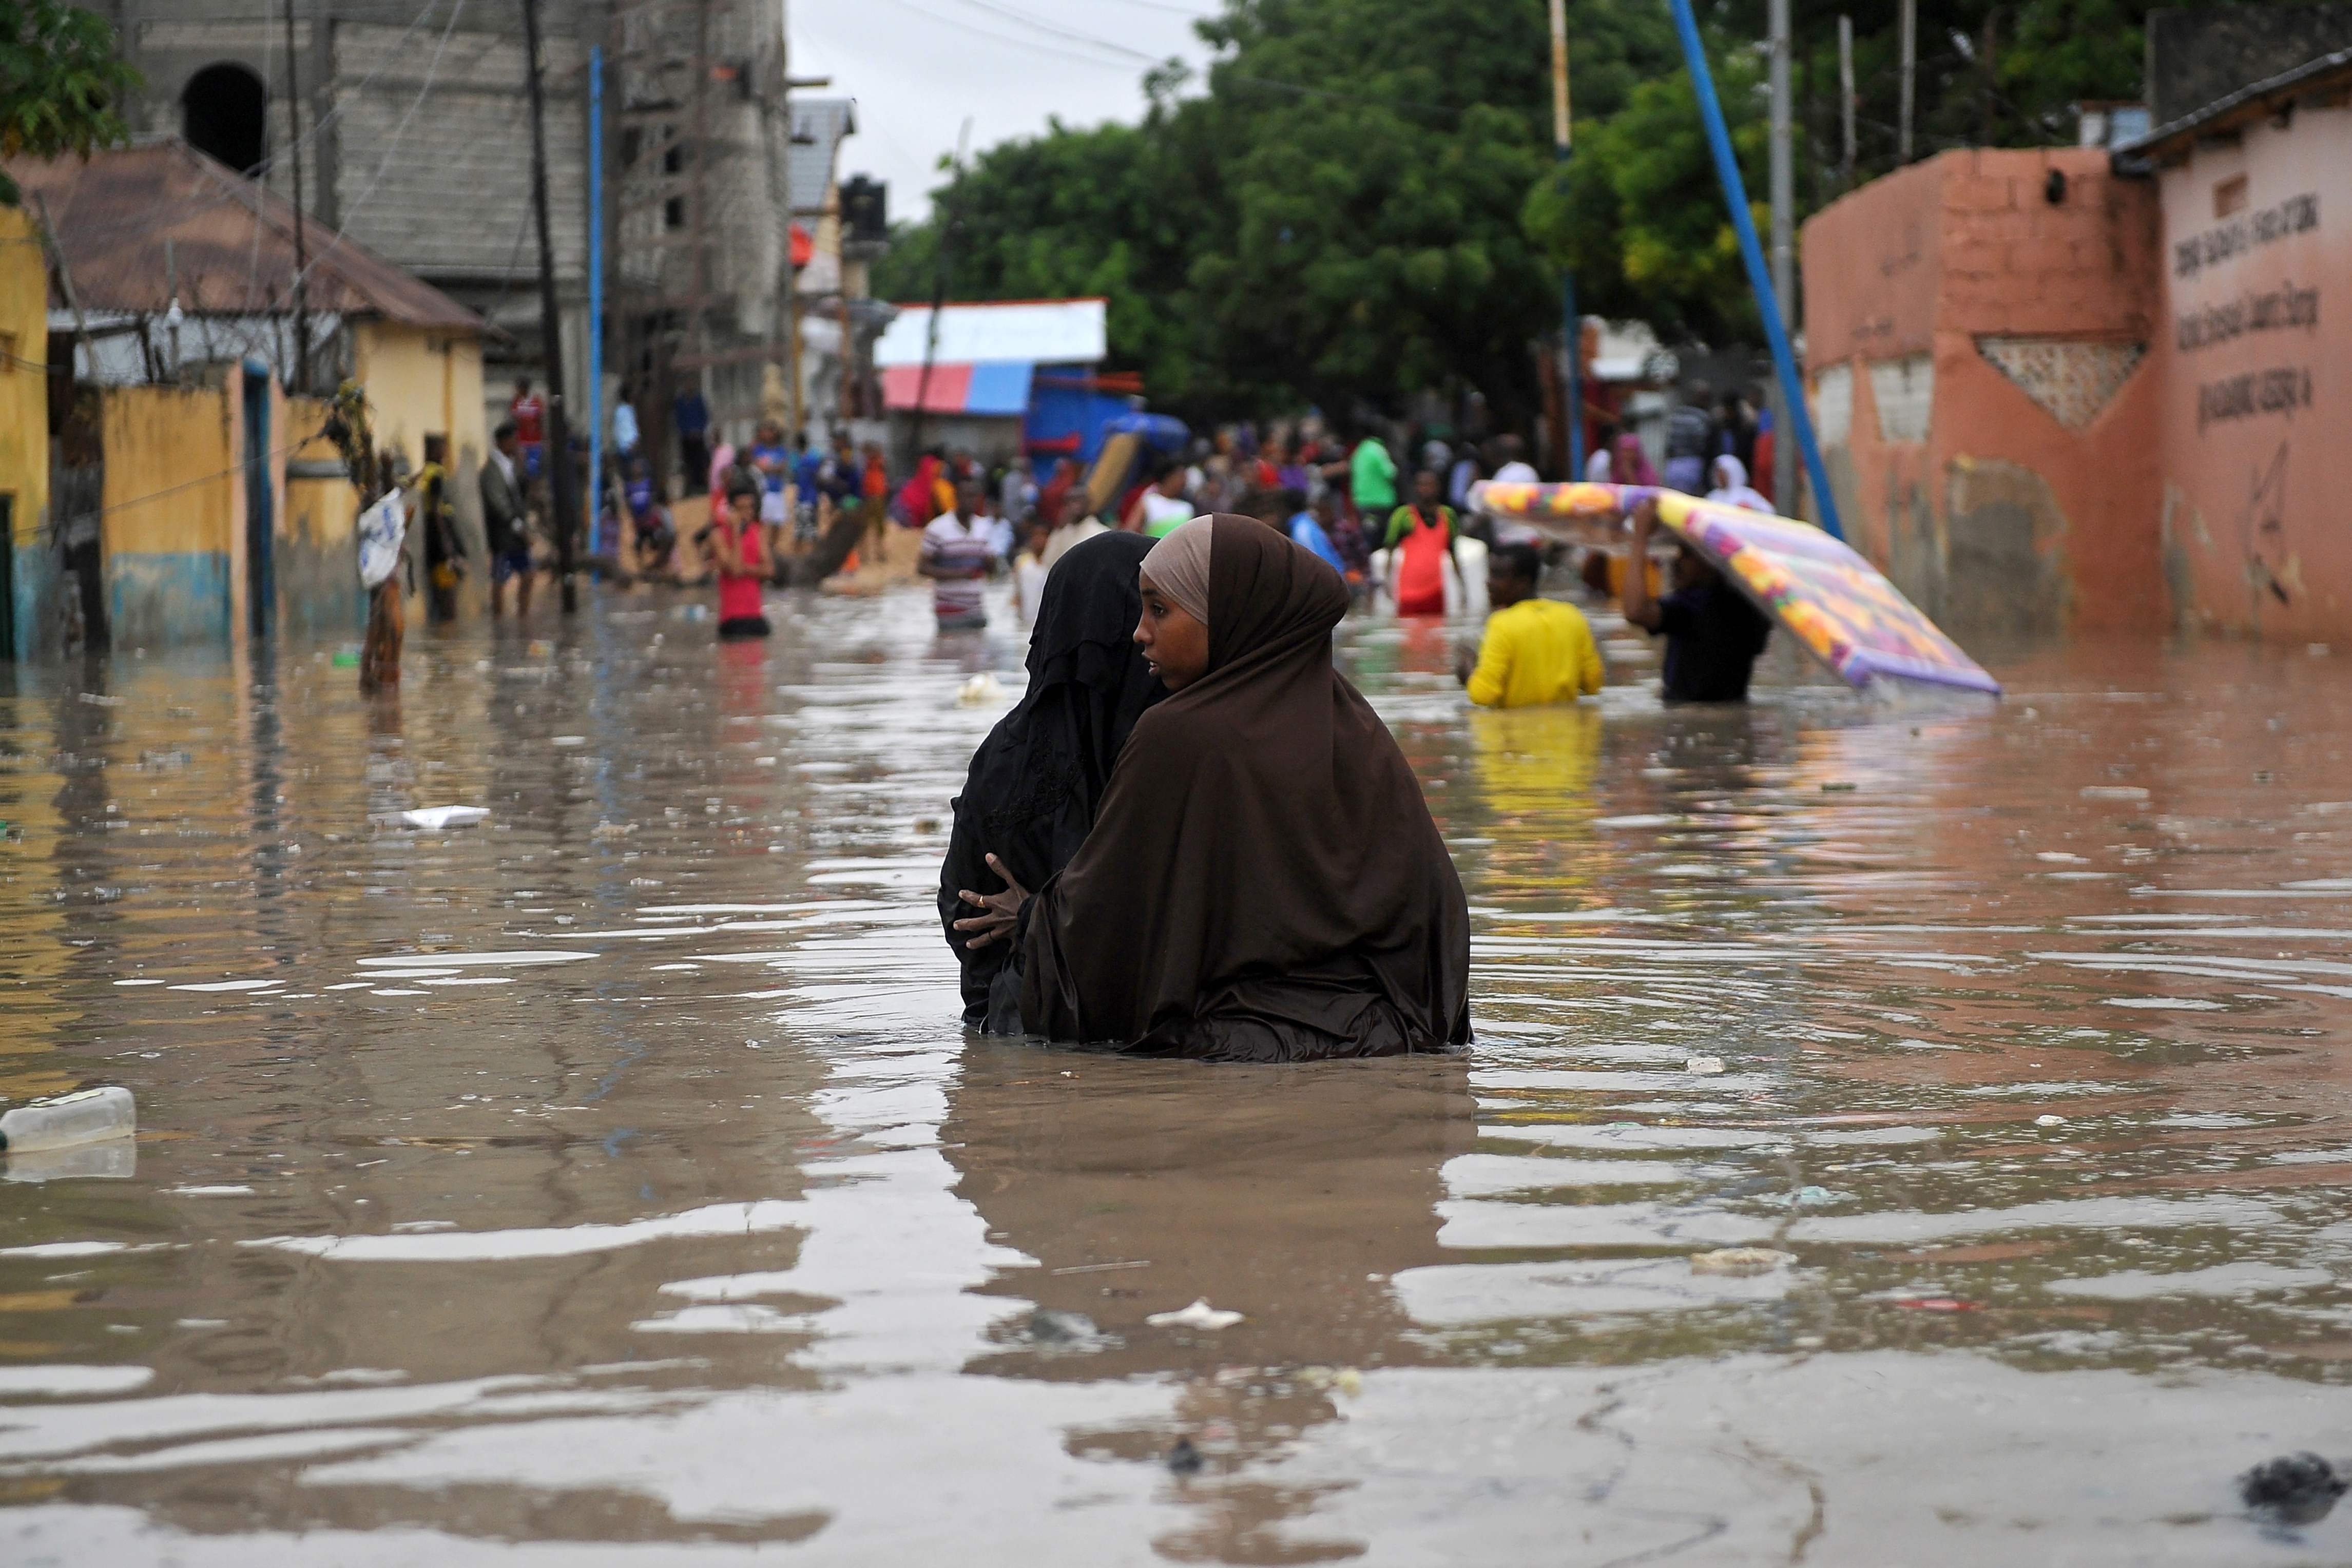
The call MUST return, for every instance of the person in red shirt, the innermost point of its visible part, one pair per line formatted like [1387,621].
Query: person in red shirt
[530,415]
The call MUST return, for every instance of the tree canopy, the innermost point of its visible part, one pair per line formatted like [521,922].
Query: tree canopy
[1360,199]
[61,87]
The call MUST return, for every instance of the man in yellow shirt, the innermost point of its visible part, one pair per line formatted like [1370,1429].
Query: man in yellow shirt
[1536,650]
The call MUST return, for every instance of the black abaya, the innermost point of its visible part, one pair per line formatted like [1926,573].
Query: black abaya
[1035,781]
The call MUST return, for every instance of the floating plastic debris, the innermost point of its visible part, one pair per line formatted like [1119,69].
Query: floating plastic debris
[69,1118]
[2295,1488]
[2049,1121]
[979,690]
[1704,1066]
[437,817]
[1199,1315]
[1739,1260]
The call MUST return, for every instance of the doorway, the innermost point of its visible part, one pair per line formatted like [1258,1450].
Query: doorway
[261,588]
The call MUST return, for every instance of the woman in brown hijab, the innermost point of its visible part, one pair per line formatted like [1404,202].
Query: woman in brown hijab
[1263,882]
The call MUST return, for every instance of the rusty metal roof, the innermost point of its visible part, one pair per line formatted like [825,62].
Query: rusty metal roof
[232,241]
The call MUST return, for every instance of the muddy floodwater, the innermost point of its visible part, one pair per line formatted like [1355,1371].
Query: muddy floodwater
[610,1182]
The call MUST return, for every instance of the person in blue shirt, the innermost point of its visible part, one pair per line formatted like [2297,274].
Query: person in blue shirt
[690,417]
[808,466]
[1309,527]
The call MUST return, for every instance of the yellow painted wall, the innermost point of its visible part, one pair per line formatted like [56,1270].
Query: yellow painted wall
[171,483]
[422,382]
[318,512]
[24,391]
[172,533]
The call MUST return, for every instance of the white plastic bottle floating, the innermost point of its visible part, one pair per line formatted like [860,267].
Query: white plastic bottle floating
[111,1159]
[69,1118]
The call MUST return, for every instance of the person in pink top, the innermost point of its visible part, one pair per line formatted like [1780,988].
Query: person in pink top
[739,548]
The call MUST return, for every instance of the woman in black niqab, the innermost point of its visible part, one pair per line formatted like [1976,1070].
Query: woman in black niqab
[1036,781]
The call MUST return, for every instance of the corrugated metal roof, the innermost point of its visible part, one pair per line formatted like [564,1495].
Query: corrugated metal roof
[232,241]
[2249,103]
[1040,331]
[818,126]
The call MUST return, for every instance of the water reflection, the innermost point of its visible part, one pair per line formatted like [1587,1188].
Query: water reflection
[615,1171]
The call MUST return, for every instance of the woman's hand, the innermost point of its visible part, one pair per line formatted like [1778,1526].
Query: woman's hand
[1002,909]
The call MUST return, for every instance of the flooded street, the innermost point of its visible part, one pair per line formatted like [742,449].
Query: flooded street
[610,1181]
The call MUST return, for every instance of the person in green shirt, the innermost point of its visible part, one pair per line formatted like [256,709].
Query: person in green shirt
[1371,480]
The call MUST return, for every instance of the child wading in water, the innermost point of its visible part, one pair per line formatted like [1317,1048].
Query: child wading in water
[739,548]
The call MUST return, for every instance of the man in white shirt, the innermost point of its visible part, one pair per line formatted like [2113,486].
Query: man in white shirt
[957,548]
[1514,468]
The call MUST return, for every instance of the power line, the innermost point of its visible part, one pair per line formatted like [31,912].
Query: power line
[1023,19]
[1028,44]
[391,148]
[58,523]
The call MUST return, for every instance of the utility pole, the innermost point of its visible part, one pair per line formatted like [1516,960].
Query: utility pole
[1784,213]
[550,327]
[1991,79]
[1571,325]
[1845,94]
[1910,46]
[792,300]
[302,264]
[597,292]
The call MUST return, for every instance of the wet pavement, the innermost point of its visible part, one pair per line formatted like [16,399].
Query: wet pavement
[610,1182]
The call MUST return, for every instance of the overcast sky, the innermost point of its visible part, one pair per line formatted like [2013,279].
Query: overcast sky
[919,68]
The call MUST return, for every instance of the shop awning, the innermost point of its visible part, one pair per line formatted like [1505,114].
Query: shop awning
[999,387]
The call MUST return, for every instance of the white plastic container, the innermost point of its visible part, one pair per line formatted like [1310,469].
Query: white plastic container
[69,1118]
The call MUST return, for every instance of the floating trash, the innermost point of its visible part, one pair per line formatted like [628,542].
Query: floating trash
[1739,1260]
[1704,1066]
[2295,1488]
[436,817]
[1199,1315]
[69,1118]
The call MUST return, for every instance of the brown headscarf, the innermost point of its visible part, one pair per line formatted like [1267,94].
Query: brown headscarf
[1263,882]
[1178,567]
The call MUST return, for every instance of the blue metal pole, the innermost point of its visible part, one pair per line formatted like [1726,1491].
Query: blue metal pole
[596,297]
[1768,302]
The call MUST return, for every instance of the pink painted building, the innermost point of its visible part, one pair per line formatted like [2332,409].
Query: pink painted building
[2062,389]
[1977,332]
[2256,363]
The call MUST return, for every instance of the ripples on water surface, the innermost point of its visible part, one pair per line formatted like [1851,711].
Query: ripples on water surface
[612,1180]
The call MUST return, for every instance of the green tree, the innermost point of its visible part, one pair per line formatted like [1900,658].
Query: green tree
[1638,215]
[61,87]
[1360,200]
[1336,218]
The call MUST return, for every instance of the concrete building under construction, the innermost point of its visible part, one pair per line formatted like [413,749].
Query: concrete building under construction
[406,125]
